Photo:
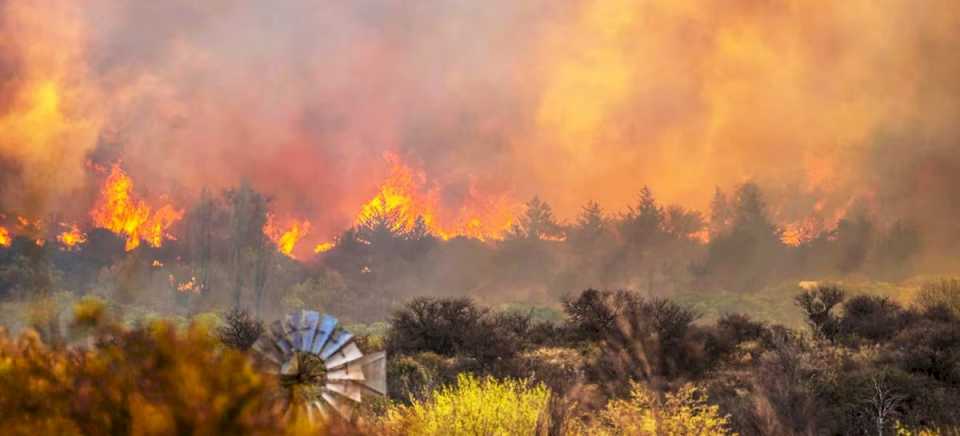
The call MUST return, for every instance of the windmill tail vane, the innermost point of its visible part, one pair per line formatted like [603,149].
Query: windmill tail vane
[320,364]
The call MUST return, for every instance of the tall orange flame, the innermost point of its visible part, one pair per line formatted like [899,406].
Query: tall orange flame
[406,196]
[5,239]
[286,238]
[119,211]
[71,237]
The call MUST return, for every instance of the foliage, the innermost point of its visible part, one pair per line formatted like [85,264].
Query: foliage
[239,329]
[817,305]
[685,412]
[458,326]
[475,406]
[442,326]
[153,380]
[944,292]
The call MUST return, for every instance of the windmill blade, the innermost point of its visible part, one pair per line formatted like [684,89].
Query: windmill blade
[315,408]
[267,348]
[350,371]
[338,341]
[348,353]
[327,325]
[291,366]
[309,323]
[339,404]
[346,389]
[291,326]
[374,368]
[279,338]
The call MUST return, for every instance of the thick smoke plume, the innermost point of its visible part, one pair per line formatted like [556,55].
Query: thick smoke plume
[828,105]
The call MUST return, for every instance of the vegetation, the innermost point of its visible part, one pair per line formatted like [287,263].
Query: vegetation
[618,363]
[224,261]
[626,323]
[472,407]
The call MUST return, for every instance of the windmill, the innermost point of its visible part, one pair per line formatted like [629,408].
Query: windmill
[320,366]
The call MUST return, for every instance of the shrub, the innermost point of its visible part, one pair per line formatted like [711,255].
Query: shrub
[871,317]
[931,349]
[817,305]
[681,413]
[152,380]
[944,292]
[458,327]
[413,377]
[740,328]
[593,314]
[239,330]
[638,337]
[473,407]
[441,326]
[730,332]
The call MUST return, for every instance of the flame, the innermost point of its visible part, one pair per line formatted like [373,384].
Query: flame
[703,236]
[286,240]
[188,287]
[324,247]
[5,238]
[121,212]
[406,196]
[805,230]
[72,237]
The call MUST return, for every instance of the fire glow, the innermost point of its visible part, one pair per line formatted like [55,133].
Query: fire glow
[121,212]
[286,237]
[406,197]
[72,237]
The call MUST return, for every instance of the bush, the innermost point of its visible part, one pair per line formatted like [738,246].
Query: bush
[151,380]
[239,329]
[817,305]
[458,327]
[473,407]
[931,349]
[730,332]
[685,412]
[593,314]
[637,337]
[944,292]
[871,317]
[441,326]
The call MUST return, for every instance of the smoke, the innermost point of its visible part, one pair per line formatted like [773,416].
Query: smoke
[835,104]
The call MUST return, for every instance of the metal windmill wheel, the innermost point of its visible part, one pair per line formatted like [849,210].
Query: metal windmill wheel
[320,366]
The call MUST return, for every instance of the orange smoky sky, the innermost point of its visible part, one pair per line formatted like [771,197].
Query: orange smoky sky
[823,103]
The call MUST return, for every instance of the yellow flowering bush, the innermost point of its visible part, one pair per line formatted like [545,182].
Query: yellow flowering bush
[153,380]
[685,412]
[472,407]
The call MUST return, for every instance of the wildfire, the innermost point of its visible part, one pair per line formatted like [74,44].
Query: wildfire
[119,211]
[405,197]
[5,239]
[324,247]
[796,234]
[188,287]
[72,237]
[286,240]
